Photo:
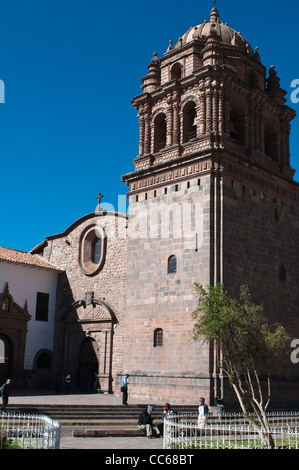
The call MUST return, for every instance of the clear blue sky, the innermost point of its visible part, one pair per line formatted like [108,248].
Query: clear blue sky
[71,67]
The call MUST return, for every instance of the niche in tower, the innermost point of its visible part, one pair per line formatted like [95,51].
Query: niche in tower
[159,132]
[189,121]
[271,139]
[237,124]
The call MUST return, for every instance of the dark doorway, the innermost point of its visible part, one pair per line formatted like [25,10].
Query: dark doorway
[88,364]
[5,358]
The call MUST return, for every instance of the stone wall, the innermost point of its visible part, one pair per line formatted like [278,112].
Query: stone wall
[102,323]
[260,237]
[179,369]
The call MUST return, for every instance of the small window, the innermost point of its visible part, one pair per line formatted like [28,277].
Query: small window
[282,273]
[96,250]
[42,306]
[5,305]
[158,337]
[172,265]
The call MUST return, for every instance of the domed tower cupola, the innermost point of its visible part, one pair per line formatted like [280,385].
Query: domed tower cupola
[209,93]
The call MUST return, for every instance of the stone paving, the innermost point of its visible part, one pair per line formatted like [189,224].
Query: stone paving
[67,440]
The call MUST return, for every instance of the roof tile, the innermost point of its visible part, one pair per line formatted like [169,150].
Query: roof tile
[22,257]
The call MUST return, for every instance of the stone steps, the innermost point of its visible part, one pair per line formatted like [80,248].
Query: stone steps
[98,420]
[92,412]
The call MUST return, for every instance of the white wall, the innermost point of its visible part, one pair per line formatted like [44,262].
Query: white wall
[24,282]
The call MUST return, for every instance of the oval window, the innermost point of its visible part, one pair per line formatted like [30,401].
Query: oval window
[92,250]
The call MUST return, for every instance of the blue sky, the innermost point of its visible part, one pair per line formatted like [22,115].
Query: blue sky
[68,129]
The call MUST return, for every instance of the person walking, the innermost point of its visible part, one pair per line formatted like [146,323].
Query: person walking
[5,394]
[124,388]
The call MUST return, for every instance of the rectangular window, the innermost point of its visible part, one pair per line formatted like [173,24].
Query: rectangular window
[42,306]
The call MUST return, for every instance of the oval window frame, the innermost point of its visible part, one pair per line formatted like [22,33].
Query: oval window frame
[88,237]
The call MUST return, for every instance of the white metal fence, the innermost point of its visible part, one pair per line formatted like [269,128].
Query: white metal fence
[231,431]
[21,431]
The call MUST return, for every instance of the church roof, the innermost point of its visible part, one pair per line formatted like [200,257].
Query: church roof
[226,34]
[22,257]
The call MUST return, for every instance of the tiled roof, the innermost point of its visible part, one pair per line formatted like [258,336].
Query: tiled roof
[22,257]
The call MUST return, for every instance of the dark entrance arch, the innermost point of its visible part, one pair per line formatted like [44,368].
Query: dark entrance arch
[5,358]
[88,364]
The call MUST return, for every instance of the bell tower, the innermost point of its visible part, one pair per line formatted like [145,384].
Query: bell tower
[209,93]
[214,133]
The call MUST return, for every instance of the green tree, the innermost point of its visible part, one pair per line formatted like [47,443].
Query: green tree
[249,344]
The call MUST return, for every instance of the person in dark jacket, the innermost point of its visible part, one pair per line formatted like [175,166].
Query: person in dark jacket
[5,394]
[145,422]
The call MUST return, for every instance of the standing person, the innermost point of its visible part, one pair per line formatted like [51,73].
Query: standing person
[145,422]
[124,388]
[219,402]
[5,394]
[167,413]
[203,412]
[67,380]
[96,383]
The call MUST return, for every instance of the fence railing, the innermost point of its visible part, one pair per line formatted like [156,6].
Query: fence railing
[21,431]
[231,431]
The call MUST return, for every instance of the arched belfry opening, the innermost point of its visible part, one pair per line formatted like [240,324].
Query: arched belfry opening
[176,72]
[189,121]
[159,132]
[271,141]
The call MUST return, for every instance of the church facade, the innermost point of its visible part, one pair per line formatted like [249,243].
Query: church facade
[212,199]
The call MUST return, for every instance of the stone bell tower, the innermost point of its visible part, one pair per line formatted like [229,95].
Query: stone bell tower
[214,135]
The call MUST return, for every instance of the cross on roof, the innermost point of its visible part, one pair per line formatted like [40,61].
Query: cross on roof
[99,197]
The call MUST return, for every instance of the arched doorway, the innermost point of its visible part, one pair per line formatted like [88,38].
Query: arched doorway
[5,358]
[88,364]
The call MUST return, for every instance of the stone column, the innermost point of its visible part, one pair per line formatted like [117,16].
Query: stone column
[176,120]
[202,113]
[215,110]
[288,131]
[257,131]
[141,133]
[220,111]
[208,110]
[262,134]
[147,134]
[169,123]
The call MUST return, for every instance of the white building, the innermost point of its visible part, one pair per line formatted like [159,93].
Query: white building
[27,311]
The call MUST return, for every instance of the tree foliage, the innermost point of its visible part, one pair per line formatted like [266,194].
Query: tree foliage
[250,345]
